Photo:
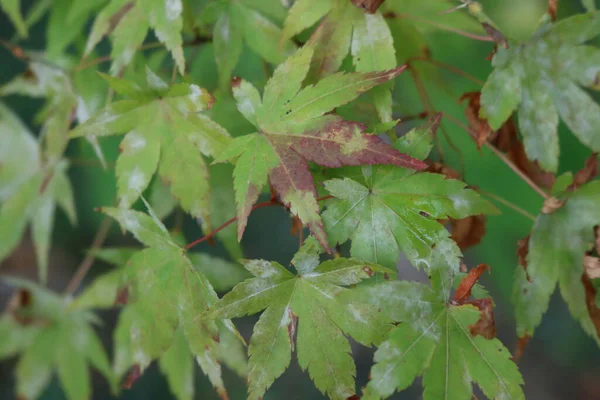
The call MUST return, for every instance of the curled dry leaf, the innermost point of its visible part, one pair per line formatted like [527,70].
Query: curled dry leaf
[468,232]
[296,228]
[439,168]
[552,8]
[464,289]
[485,325]
[505,139]
[522,342]
[479,126]
[370,6]
[551,204]
[592,267]
[587,173]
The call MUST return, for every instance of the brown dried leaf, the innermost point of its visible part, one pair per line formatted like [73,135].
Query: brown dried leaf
[505,139]
[296,228]
[592,266]
[464,289]
[521,344]
[134,374]
[370,6]
[468,232]
[485,325]
[587,173]
[439,168]
[552,8]
[478,125]
[590,300]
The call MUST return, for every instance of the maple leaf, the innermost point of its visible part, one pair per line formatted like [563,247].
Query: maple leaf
[542,78]
[51,337]
[308,306]
[105,289]
[294,129]
[434,339]
[346,28]
[165,131]
[556,250]
[391,209]
[54,85]
[166,293]
[129,22]
[29,191]
[236,22]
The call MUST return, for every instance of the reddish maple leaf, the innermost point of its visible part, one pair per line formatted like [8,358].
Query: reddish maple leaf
[294,128]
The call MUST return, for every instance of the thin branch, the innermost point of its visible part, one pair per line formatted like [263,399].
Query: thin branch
[466,34]
[229,222]
[429,107]
[89,259]
[19,53]
[507,204]
[272,202]
[450,68]
[147,46]
[425,101]
[502,156]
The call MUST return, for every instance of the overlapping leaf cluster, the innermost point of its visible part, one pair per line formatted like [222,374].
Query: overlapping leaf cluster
[165,293]
[543,79]
[305,141]
[50,337]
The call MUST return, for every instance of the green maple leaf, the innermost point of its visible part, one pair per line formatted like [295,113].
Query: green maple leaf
[389,209]
[165,296]
[52,337]
[29,191]
[557,247]
[294,129]
[165,131]
[434,340]
[542,78]
[346,28]
[306,303]
[236,22]
[104,290]
[129,22]
[56,87]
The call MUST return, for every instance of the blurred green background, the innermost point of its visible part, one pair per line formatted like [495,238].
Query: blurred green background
[561,362]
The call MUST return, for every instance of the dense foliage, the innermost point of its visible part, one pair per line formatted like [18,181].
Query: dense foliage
[320,137]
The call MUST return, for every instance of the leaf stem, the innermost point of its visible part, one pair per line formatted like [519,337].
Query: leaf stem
[448,67]
[507,204]
[501,156]
[89,259]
